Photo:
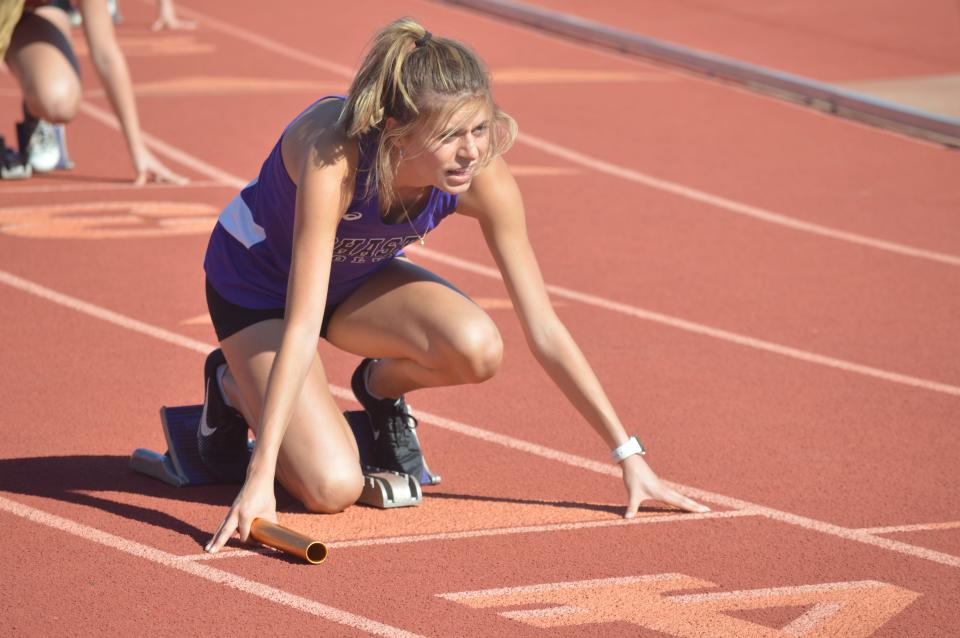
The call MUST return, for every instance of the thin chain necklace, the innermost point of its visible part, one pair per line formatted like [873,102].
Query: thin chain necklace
[410,221]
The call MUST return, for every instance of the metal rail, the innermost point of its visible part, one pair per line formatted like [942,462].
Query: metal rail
[819,95]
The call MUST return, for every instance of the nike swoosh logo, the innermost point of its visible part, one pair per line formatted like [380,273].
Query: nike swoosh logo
[205,429]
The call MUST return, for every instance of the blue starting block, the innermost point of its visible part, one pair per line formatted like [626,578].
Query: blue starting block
[181,464]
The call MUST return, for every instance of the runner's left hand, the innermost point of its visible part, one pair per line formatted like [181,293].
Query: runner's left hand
[642,484]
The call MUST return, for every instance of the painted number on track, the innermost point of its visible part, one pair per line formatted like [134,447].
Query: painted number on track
[849,609]
[108,220]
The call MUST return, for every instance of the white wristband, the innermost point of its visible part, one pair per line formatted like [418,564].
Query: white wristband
[631,447]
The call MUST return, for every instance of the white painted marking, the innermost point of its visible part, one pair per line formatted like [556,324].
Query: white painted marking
[102,313]
[559,610]
[813,617]
[578,584]
[608,167]
[506,531]
[919,527]
[695,493]
[502,439]
[264,42]
[699,328]
[845,533]
[206,572]
[731,205]
[774,592]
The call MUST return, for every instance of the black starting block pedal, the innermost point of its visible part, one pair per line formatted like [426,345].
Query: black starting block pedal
[181,465]
[12,165]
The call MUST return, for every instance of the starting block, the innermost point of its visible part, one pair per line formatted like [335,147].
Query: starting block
[181,465]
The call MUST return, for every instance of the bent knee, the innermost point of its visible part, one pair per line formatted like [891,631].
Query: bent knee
[334,493]
[56,102]
[477,352]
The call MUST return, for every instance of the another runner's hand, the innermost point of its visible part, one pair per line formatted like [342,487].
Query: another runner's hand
[149,168]
[167,18]
[255,500]
[173,23]
[642,484]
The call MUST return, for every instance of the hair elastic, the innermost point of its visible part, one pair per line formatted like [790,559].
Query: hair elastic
[422,40]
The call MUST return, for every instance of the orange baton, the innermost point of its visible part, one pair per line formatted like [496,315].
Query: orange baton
[287,540]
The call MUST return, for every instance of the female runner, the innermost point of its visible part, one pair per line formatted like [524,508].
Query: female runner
[312,248]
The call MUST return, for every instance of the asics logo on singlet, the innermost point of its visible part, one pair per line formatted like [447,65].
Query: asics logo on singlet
[351,217]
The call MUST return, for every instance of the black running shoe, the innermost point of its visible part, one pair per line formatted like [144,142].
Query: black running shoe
[222,435]
[395,444]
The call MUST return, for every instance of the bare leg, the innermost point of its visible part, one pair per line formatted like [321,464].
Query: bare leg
[424,332]
[318,461]
[42,59]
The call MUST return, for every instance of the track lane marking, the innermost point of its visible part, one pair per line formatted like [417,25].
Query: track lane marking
[919,527]
[206,572]
[501,439]
[501,531]
[608,168]
[734,206]
[690,326]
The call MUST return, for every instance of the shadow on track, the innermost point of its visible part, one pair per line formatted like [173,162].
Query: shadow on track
[71,479]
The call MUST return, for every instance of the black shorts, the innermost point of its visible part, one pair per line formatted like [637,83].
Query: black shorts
[229,318]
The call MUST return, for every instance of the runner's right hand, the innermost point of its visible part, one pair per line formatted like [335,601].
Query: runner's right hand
[255,500]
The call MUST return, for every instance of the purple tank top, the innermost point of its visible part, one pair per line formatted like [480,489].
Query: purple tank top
[248,256]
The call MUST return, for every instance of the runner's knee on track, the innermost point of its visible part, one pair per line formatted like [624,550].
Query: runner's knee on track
[330,490]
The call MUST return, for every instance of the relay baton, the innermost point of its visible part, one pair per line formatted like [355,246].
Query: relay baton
[287,540]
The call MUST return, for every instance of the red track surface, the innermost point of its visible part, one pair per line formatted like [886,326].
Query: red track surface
[768,294]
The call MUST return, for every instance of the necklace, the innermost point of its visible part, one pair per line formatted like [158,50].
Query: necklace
[410,221]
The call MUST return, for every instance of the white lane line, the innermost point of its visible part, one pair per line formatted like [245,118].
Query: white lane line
[545,587]
[206,572]
[264,42]
[919,527]
[502,439]
[501,531]
[733,206]
[109,316]
[774,592]
[106,186]
[608,167]
[804,522]
[699,328]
